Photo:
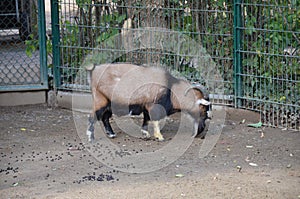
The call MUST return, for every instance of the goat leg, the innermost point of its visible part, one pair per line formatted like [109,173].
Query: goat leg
[199,129]
[105,119]
[91,128]
[157,133]
[156,112]
[145,131]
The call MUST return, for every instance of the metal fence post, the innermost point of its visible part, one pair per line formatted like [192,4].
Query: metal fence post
[237,40]
[42,43]
[55,42]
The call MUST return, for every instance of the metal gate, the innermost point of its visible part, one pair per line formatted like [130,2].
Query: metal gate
[23,58]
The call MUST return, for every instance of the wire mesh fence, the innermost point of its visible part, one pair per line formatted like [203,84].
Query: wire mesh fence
[187,38]
[270,60]
[169,33]
[21,68]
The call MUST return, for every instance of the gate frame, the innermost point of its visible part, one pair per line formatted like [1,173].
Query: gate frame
[237,63]
[55,43]
[43,85]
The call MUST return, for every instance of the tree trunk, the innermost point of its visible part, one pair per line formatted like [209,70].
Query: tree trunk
[150,15]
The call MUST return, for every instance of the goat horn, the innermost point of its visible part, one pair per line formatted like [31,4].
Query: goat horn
[198,87]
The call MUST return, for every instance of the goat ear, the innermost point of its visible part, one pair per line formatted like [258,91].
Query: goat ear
[203,102]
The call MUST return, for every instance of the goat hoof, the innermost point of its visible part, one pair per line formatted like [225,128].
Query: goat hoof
[90,135]
[146,134]
[161,139]
[91,141]
[202,135]
[145,138]
[111,135]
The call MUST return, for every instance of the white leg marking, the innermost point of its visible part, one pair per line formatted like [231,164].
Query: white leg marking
[90,135]
[209,114]
[196,125]
[145,133]
[157,133]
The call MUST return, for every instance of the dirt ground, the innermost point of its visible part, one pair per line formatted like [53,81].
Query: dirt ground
[43,156]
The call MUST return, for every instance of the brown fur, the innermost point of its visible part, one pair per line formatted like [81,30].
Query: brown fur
[135,86]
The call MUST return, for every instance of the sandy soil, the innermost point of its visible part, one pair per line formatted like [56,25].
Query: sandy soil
[44,156]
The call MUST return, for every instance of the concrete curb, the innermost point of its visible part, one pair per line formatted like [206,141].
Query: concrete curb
[22,98]
[76,101]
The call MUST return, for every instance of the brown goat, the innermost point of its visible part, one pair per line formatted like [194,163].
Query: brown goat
[124,89]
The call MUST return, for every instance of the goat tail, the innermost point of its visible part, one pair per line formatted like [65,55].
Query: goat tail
[89,74]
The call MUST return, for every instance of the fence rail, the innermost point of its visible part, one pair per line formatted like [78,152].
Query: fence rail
[245,52]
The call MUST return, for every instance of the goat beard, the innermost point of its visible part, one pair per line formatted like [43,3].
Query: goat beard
[199,132]
[196,125]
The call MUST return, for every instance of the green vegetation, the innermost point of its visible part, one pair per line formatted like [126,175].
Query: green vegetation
[272,41]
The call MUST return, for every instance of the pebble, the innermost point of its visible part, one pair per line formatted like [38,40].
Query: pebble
[253,164]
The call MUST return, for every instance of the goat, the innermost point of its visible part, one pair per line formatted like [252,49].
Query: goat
[123,89]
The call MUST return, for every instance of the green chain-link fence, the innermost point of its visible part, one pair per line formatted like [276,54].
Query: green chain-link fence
[22,65]
[99,27]
[254,46]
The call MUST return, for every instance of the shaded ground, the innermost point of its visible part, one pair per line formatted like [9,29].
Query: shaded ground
[16,67]
[42,156]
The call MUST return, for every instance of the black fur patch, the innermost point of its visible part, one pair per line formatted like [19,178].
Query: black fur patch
[162,107]
[99,113]
[135,109]
[166,102]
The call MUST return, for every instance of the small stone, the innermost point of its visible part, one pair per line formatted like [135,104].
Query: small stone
[253,164]
[239,168]
[15,184]
[179,175]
